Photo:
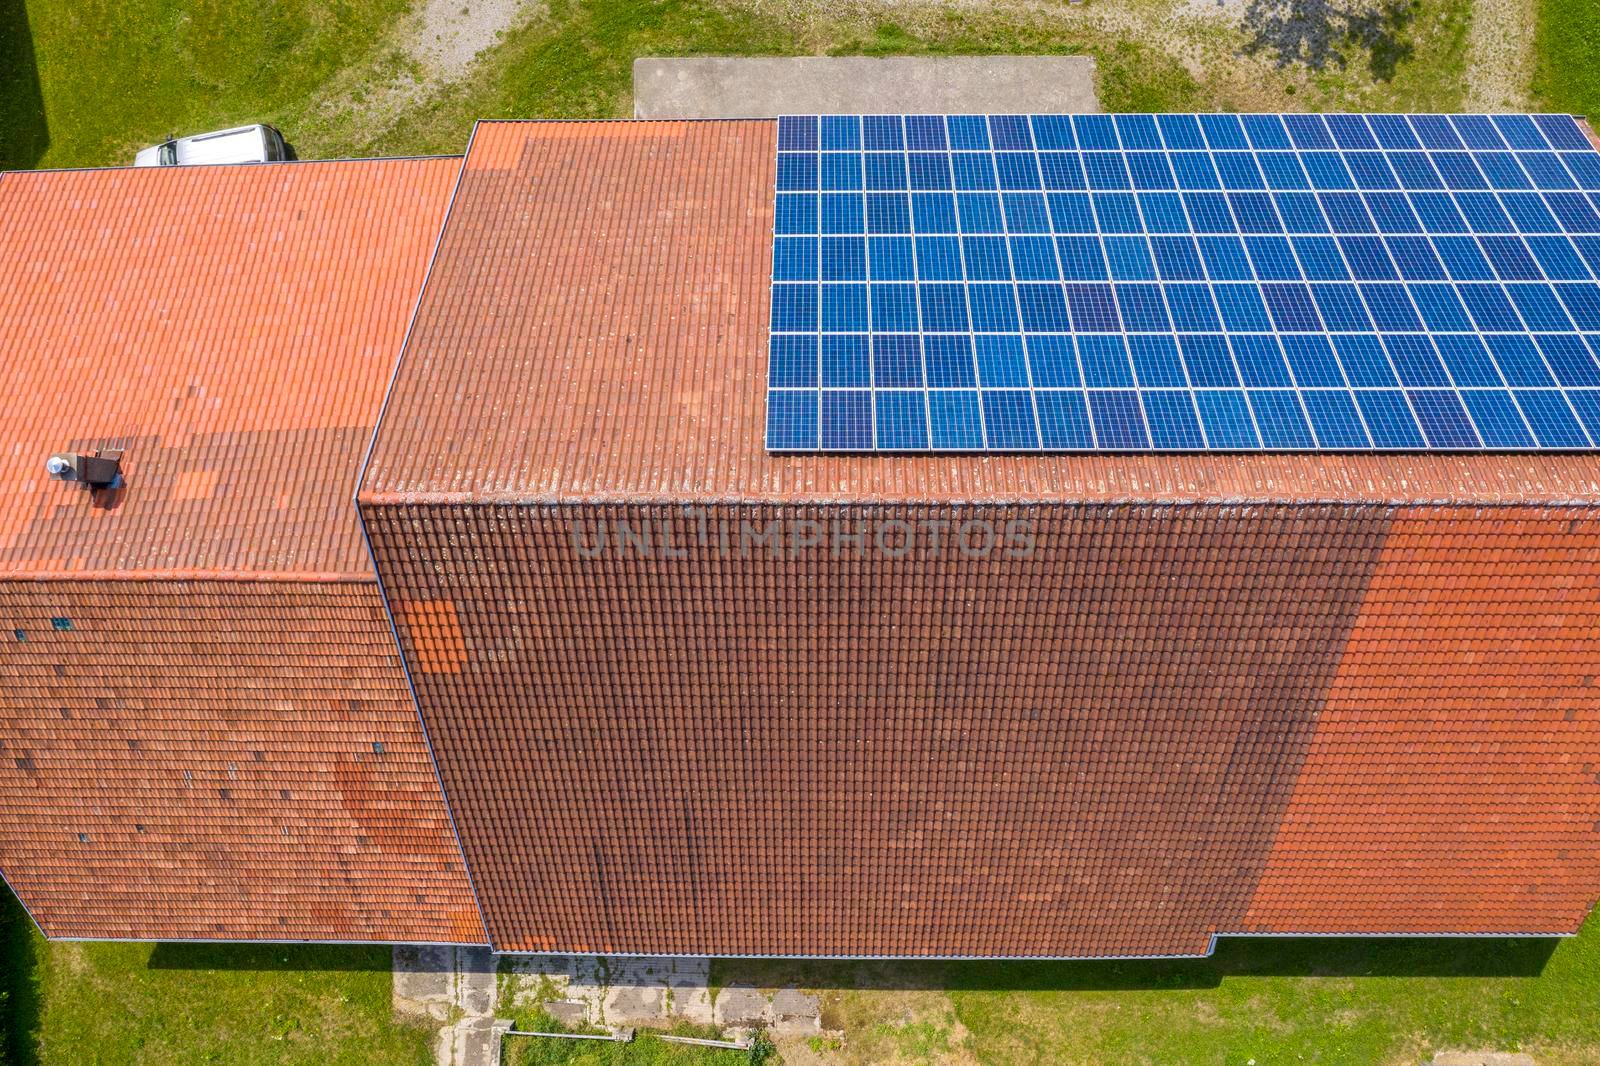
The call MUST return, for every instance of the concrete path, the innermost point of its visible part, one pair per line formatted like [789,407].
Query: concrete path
[821,85]
[627,992]
[455,986]
[460,990]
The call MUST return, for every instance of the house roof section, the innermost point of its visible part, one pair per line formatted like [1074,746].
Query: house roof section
[219,760]
[232,328]
[595,328]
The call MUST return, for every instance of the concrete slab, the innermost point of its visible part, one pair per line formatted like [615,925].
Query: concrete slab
[843,85]
[455,985]
[424,981]
[636,990]
[473,1042]
[635,1004]
[738,1005]
[652,992]
[569,1012]
[794,1012]
[692,1003]
[475,981]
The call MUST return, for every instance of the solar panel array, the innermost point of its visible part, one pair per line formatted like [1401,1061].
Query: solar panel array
[1185,283]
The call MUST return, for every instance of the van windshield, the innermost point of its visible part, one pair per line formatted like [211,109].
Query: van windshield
[168,154]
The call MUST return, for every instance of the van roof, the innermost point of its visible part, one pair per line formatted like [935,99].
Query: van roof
[223,146]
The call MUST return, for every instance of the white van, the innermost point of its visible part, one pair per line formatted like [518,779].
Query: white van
[245,144]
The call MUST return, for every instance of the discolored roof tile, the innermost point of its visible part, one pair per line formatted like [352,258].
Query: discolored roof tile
[219,760]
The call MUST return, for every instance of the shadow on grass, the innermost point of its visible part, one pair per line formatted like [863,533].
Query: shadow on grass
[176,955]
[1234,957]
[19,994]
[1316,33]
[24,136]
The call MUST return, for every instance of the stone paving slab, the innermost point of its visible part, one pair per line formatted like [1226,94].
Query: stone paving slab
[470,1042]
[740,1006]
[794,1013]
[475,981]
[424,981]
[843,85]
[655,992]
[455,985]
[438,982]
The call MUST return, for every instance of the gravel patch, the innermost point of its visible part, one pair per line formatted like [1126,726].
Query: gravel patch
[1500,55]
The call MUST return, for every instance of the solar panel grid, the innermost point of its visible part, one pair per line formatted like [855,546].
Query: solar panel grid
[1180,282]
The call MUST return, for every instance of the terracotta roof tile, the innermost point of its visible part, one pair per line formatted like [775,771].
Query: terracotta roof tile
[1160,724]
[1085,750]
[1308,700]
[218,760]
[1453,784]
[599,310]
[233,328]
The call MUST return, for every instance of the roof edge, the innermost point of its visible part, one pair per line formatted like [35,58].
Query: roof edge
[495,499]
[306,577]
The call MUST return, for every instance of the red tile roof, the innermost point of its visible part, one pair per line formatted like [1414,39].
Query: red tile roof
[1163,722]
[1305,704]
[599,310]
[205,729]
[233,328]
[1453,784]
[218,760]
[1083,751]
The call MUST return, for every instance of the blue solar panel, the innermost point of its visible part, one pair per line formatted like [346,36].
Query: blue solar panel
[1184,283]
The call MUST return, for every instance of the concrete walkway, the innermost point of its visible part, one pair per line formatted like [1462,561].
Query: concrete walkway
[628,992]
[822,85]
[455,986]
[460,990]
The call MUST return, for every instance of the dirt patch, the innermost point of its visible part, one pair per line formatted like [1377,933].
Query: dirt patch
[427,52]
[1232,10]
[73,956]
[445,36]
[885,1026]
[1500,55]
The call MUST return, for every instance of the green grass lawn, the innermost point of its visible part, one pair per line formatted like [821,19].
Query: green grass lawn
[1336,1000]
[76,1004]
[575,60]
[111,75]
[86,82]
[1567,46]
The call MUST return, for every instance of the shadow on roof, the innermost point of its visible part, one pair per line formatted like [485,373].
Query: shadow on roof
[1234,957]
[24,134]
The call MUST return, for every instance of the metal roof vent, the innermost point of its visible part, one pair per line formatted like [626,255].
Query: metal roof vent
[102,470]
